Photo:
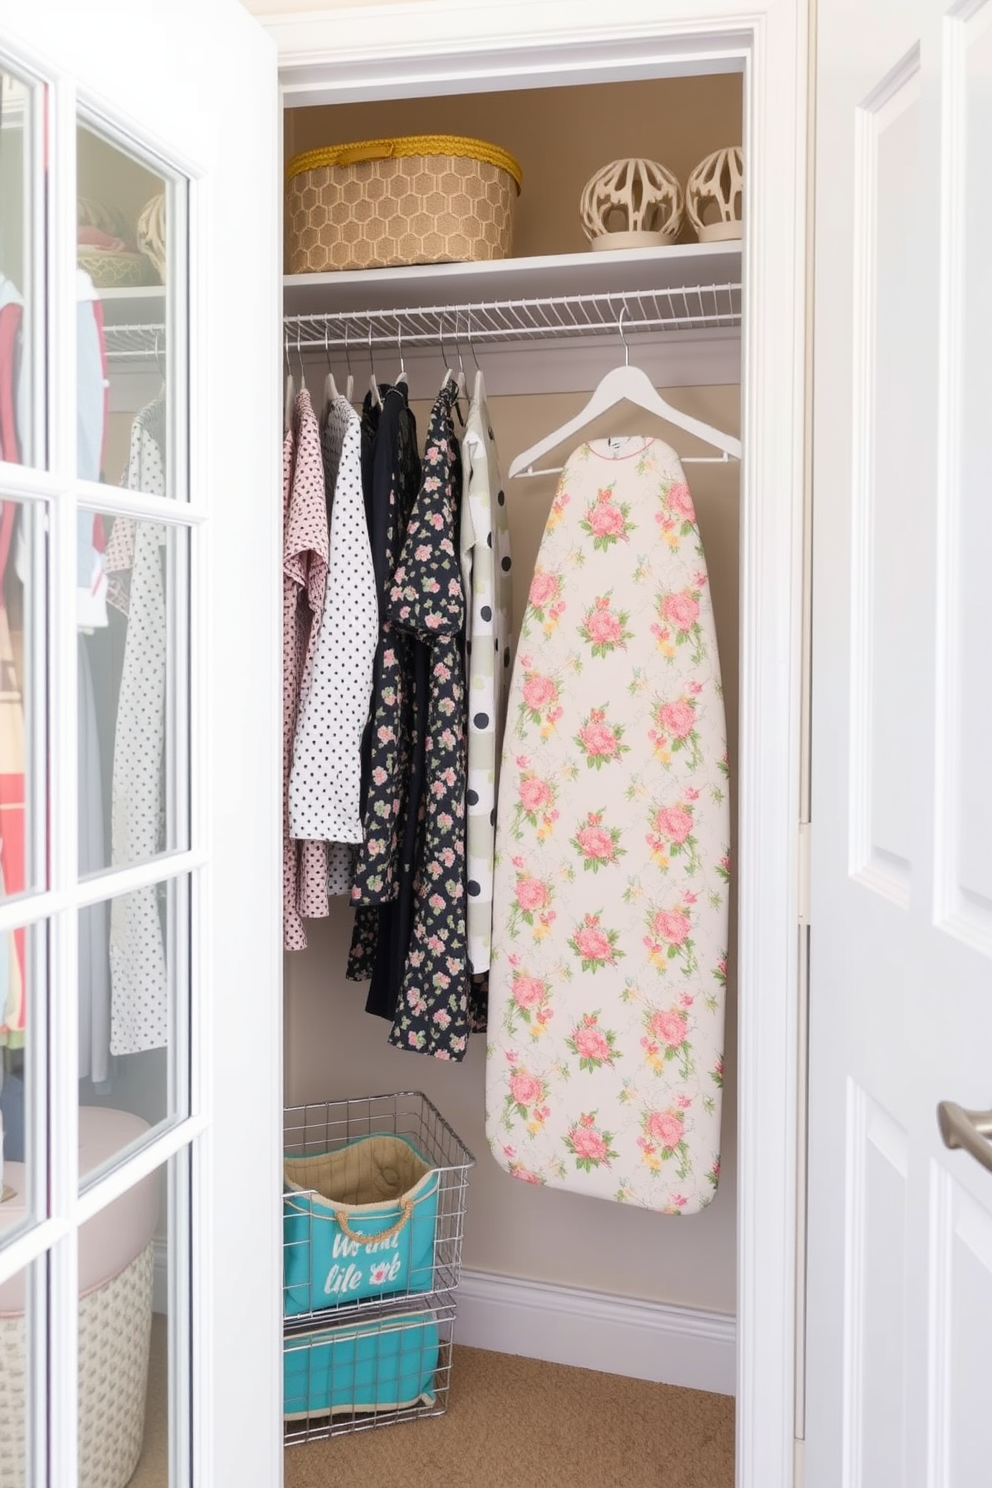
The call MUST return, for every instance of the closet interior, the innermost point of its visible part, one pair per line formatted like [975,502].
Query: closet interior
[544,326]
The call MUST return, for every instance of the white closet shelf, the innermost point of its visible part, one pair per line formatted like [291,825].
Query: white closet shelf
[133,306]
[645,269]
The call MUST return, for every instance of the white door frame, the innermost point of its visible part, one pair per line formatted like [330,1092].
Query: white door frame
[361,52]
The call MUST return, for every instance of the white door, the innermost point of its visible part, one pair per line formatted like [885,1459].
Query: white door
[899,1311]
[140,1017]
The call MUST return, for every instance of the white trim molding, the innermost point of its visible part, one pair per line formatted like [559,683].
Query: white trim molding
[424,47]
[658,1341]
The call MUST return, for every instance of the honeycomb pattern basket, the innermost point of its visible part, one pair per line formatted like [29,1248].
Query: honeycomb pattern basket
[383,203]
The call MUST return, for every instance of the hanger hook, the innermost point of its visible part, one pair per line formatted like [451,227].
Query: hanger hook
[303,370]
[458,349]
[471,344]
[327,345]
[399,345]
[623,338]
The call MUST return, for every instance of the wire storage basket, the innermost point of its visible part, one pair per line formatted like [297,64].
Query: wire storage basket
[373,1219]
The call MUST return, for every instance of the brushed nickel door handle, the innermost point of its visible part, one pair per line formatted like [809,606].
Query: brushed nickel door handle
[968,1129]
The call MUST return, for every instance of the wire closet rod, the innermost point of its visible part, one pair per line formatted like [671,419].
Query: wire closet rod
[696,307]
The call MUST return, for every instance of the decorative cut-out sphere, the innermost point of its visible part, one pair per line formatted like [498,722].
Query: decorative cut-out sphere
[151,233]
[714,196]
[631,204]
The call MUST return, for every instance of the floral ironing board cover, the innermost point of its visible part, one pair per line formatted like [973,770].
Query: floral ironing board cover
[604,1062]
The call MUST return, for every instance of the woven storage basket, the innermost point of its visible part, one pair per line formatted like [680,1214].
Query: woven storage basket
[379,203]
[115,1324]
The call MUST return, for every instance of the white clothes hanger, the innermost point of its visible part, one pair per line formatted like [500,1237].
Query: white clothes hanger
[330,386]
[449,372]
[631,385]
[349,391]
[373,380]
[401,377]
[290,393]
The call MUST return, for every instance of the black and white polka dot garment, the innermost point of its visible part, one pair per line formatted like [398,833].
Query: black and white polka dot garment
[325,783]
[139,1009]
[486,579]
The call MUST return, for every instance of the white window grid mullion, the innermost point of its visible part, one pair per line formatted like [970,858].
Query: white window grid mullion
[145,1160]
[63,825]
[34,286]
[180,1309]
[36,1364]
[177,314]
[119,501]
[31,1243]
[204,958]
[34,908]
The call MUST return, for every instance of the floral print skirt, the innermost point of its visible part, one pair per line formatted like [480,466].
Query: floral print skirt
[605,1046]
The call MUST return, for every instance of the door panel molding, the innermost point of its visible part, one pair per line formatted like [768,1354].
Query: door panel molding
[880,698]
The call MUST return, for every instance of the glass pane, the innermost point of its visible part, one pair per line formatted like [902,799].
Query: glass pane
[133,1020]
[132,317]
[15,1316]
[133,692]
[23,975]
[124,1335]
[23,741]
[21,270]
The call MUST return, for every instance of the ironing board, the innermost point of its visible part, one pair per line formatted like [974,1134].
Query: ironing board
[604,1062]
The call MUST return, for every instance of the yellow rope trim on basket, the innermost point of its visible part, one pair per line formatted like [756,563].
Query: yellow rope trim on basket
[413,144]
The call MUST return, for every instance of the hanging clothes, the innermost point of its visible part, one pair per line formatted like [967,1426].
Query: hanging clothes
[605,1050]
[138,972]
[91,614]
[325,781]
[488,589]
[426,599]
[392,757]
[304,584]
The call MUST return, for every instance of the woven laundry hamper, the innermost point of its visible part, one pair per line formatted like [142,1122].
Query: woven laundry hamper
[387,202]
[116,1263]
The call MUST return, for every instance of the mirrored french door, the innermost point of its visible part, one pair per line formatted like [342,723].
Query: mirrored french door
[139,769]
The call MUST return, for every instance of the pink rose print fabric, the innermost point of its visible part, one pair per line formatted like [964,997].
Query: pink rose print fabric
[605,1047]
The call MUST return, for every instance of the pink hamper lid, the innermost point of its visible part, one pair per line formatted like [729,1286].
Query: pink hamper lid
[111,1239]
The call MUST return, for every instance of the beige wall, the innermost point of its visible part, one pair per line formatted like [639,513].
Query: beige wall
[560,136]
[334,1049]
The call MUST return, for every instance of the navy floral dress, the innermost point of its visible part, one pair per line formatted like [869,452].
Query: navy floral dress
[432,1012]
[382,884]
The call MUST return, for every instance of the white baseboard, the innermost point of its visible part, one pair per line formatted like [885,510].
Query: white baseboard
[619,1335]
[565,1325]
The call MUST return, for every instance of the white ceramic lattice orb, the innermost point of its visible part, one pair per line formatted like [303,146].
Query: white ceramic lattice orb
[151,233]
[631,204]
[714,196]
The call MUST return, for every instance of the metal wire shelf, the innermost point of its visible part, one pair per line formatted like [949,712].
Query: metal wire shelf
[693,307]
[135,343]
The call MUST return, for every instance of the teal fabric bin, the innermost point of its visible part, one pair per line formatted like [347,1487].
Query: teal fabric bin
[384,1365]
[358,1222]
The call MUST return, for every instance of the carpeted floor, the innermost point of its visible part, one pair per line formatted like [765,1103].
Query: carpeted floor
[518,1423]
[510,1423]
